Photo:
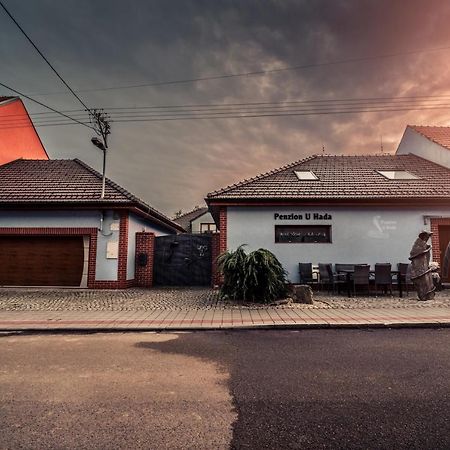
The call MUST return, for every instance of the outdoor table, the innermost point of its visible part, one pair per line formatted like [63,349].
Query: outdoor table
[348,273]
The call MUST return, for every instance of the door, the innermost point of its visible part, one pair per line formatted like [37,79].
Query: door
[183,260]
[444,239]
[41,260]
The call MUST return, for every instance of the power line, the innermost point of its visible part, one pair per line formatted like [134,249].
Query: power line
[44,105]
[256,72]
[167,109]
[231,115]
[42,55]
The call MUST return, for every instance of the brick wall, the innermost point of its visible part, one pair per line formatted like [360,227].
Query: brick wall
[145,243]
[435,222]
[223,229]
[215,252]
[123,249]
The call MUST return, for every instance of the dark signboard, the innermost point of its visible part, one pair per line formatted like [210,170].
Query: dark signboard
[302,234]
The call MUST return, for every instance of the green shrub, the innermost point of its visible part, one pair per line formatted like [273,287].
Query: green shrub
[256,277]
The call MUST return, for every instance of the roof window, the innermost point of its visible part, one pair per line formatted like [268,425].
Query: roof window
[397,175]
[305,175]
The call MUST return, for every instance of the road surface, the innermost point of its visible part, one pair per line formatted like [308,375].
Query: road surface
[217,390]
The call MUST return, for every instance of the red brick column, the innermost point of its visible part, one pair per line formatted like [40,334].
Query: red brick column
[145,243]
[123,251]
[435,237]
[223,229]
[215,252]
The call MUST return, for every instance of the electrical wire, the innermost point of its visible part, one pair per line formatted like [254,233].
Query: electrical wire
[44,105]
[42,55]
[253,73]
[248,114]
[287,104]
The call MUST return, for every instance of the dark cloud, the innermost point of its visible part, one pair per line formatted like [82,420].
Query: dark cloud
[173,165]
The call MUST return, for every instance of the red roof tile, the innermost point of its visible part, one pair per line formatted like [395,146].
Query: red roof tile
[68,182]
[439,135]
[343,178]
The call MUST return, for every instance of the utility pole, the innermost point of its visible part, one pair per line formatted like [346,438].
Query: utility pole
[100,121]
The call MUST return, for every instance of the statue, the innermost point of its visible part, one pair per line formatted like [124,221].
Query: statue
[421,273]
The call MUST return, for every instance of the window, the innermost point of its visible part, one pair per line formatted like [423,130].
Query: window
[208,228]
[305,175]
[397,175]
[302,234]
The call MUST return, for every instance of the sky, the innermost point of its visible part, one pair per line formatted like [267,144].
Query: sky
[172,165]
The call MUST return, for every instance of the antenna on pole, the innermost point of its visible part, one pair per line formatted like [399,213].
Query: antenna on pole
[323,149]
[100,121]
[381,144]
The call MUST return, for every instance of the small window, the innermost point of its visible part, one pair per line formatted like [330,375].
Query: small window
[208,228]
[305,175]
[302,234]
[397,175]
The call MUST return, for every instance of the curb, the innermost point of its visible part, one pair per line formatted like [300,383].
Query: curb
[312,326]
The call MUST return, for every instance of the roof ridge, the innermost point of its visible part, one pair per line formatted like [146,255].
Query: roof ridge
[124,191]
[418,129]
[260,176]
[11,162]
[111,183]
[191,211]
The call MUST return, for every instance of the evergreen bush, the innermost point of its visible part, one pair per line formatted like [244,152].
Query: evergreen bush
[256,277]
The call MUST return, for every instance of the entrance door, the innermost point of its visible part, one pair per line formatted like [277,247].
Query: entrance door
[444,239]
[183,260]
[41,260]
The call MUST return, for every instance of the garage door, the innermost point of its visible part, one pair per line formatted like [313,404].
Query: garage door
[41,260]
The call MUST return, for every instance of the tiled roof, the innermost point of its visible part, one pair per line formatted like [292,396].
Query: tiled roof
[439,135]
[343,178]
[29,181]
[185,219]
[4,98]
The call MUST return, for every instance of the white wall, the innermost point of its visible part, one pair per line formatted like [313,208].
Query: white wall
[106,269]
[359,235]
[135,225]
[205,218]
[414,142]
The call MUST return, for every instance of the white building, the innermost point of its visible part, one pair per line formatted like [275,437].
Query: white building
[56,230]
[432,143]
[337,209]
[199,220]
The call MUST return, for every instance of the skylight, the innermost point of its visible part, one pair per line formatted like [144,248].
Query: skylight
[305,175]
[397,175]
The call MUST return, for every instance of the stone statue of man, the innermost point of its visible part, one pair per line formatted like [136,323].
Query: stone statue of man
[421,274]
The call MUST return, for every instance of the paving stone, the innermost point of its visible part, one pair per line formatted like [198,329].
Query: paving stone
[49,302]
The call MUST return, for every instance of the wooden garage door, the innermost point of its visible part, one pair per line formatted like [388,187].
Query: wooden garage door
[41,260]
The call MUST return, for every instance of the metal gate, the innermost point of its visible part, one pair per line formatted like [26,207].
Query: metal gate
[183,260]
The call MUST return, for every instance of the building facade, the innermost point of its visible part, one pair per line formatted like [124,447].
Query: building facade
[55,230]
[18,137]
[199,220]
[337,209]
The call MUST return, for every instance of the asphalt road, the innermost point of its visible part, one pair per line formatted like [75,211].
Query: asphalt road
[211,390]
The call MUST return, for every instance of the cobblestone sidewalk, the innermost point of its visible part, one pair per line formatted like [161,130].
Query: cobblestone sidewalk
[183,299]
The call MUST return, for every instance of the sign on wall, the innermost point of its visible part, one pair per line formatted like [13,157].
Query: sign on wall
[112,250]
[302,216]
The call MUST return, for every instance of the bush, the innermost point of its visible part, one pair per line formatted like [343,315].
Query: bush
[256,277]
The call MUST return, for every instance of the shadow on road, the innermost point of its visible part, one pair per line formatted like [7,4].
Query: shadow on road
[331,388]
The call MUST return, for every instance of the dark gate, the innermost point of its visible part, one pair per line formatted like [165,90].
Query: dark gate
[183,260]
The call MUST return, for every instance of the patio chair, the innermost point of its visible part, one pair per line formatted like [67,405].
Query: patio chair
[383,277]
[339,267]
[361,277]
[306,273]
[335,281]
[405,275]
[324,276]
